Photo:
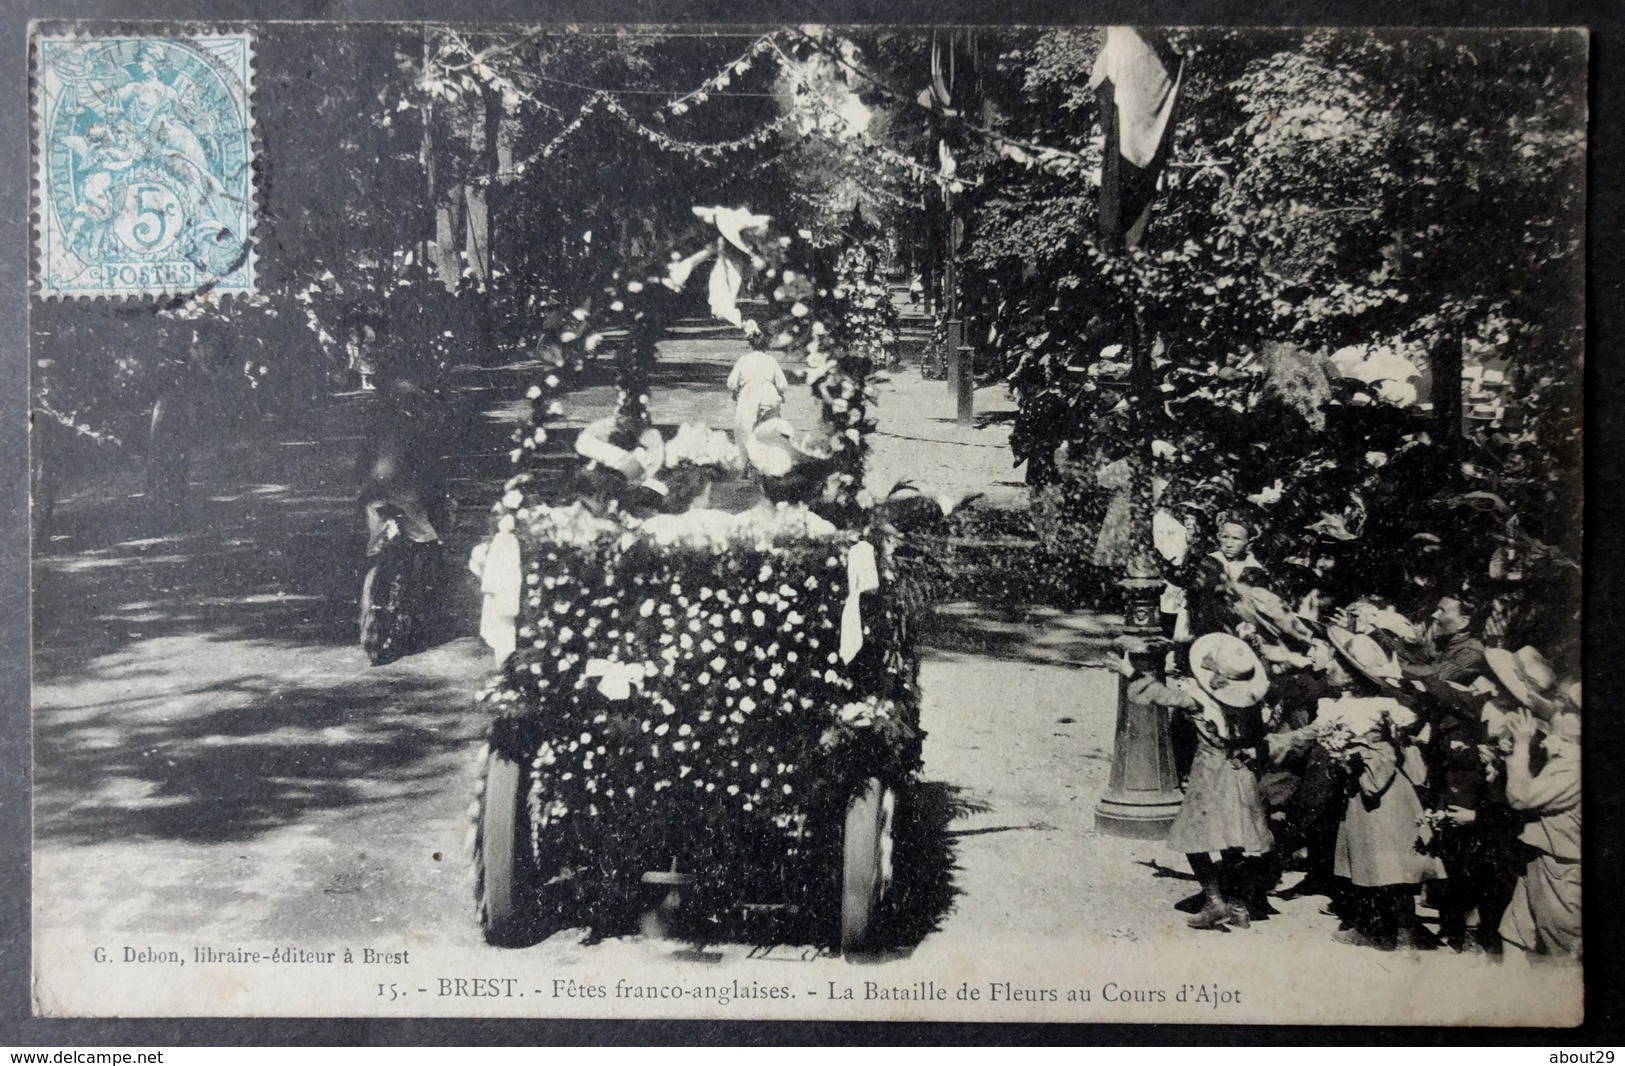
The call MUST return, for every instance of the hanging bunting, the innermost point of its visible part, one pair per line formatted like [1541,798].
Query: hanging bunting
[735,67]
[704,153]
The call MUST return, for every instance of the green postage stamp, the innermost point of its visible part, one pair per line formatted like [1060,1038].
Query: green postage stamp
[144,150]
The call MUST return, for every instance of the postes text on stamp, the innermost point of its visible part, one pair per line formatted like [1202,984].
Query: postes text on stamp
[145,169]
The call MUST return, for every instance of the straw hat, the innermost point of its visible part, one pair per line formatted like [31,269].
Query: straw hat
[1524,673]
[775,448]
[1365,655]
[1269,612]
[1169,537]
[1228,670]
[771,447]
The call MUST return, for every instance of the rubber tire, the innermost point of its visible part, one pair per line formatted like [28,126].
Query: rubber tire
[504,869]
[865,842]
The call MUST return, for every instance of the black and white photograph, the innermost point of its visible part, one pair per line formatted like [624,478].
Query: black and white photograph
[807,522]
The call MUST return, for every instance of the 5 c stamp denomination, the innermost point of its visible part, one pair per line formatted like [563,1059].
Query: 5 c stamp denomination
[145,165]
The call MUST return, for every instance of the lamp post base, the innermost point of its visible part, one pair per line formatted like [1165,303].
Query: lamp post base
[1138,818]
[1143,794]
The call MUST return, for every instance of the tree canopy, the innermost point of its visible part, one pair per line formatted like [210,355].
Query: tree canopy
[1339,206]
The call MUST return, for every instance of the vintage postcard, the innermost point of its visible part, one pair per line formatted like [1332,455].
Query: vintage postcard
[806,522]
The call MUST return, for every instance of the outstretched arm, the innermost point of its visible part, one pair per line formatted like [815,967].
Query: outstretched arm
[1556,788]
[1146,689]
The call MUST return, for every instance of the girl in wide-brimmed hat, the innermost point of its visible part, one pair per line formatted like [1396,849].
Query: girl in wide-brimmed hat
[1221,818]
[1367,728]
[1544,915]
[624,466]
[1300,788]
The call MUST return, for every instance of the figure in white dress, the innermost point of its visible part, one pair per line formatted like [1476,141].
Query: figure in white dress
[758,386]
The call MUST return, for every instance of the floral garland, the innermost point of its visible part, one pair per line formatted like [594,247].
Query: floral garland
[708,153]
[719,81]
[870,314]
[42,405]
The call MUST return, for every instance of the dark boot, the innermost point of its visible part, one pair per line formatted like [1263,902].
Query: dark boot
[1311,885]
[1252,880]
[1216,915]
[1452,900]
[1409,932]
[1192,903]
[1215,912]
[1368,919]
[1355,938]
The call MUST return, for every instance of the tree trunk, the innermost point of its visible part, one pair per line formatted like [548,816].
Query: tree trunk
[1445,369]
[426,160]
[449,238]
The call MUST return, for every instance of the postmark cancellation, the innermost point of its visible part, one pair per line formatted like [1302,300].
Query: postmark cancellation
[144,157]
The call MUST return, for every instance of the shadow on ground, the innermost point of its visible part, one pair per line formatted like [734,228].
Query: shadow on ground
[267,548]
[255,579]
[1022,633]
[233,759]
[198,679]
[924,860]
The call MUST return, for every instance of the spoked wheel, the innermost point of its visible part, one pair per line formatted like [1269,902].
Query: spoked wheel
[503,871]
[865,862]
[373,626]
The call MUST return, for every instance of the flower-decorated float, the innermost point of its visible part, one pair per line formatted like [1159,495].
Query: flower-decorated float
[708,685]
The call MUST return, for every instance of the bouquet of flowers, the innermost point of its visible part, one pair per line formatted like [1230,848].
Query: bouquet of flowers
[718,531]
[1434,823]
[1440,834]
[1340,742]
[1342,725]
[572,525]
[877,715]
